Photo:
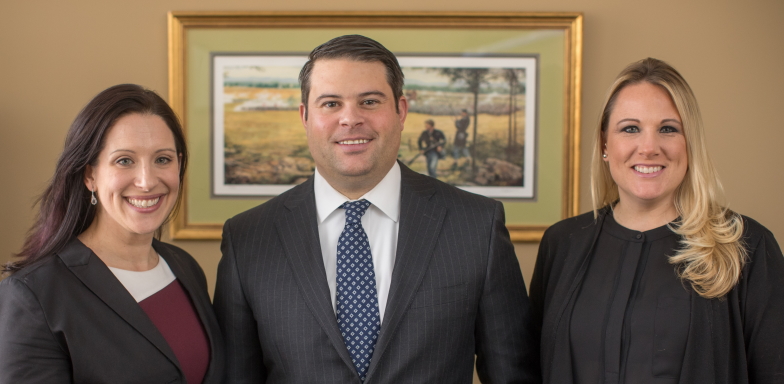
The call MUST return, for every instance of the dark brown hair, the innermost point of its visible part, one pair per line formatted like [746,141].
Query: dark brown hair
[64,207]
[357,48]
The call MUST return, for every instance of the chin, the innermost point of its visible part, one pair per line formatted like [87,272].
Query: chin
[355,170]
[653,197]
[144,228]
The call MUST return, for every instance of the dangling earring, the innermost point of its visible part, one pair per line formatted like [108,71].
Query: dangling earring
[93,200]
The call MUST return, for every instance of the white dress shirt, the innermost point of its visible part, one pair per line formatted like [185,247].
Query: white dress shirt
[381,223]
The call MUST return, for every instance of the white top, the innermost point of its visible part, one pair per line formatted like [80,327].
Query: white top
[142,285]
[381,223]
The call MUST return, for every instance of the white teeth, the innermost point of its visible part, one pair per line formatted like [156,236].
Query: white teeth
[643,169]
[138,203]
[351,142]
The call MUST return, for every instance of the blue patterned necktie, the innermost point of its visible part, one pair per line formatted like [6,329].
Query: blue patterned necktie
[357,300]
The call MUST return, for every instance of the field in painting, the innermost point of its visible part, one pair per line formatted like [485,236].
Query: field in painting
[265,142]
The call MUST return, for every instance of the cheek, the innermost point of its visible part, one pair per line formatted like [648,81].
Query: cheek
[679,152]
[316,129]
[113,182]
[172,180]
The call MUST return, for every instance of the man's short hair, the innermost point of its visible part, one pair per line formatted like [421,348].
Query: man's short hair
[430,122]
[357,48]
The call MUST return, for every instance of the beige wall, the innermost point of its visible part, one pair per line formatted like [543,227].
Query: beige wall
[54,56]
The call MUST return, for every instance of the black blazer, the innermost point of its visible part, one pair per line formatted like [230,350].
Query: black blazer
[733,340]
[456,292]
[67,319]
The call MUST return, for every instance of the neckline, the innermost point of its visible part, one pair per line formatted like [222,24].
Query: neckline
[617,230]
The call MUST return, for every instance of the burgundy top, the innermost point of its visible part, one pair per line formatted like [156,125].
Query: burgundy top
[171,310]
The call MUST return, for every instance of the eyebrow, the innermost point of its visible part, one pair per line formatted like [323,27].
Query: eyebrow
[637,121]
[132,151]
[363,94]
[328,96]
[373,93]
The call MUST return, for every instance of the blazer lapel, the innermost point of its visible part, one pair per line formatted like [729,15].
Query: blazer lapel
[581,245]
[420,223]
[100,280]
[298,232]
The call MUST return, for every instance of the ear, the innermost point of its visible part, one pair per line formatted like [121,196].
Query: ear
[303,115]
[89,177]
[402,106]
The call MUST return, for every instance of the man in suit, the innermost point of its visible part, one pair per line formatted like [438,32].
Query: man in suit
[369,272]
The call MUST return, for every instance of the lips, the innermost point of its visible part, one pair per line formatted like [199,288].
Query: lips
[648,169]
[142,202]
[354,142]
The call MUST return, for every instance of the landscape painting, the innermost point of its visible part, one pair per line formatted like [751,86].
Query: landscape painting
[484,109]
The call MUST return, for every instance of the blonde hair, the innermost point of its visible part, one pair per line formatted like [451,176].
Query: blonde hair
[712,252]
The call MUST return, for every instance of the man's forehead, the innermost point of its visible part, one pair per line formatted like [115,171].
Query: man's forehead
[347,74]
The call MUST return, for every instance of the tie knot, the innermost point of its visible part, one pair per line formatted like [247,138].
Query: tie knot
[355,210]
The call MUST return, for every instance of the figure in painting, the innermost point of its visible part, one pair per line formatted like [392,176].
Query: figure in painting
[431,144]
[459,148]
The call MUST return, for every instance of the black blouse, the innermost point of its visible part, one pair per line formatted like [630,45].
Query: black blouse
[630,322]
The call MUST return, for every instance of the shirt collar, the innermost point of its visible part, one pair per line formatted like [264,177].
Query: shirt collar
[385,195]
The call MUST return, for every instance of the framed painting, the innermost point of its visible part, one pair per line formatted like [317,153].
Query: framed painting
[501,90]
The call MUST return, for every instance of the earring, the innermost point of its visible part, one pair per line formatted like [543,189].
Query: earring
[93,200]
[604,155]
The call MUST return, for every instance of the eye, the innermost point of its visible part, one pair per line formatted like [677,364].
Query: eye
[668,129]
[370,102]
[124,161]
[330,104]
[630,129]
[163,160]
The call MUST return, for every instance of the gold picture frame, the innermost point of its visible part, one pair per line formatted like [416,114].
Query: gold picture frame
[555,39]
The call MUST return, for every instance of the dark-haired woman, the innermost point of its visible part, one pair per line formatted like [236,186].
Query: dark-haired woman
[661,283]
[95,297]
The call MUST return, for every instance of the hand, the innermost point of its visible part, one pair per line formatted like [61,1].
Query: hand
[439,149]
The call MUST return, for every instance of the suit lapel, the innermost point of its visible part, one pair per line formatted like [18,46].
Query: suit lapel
[97,277]
[298,232]
[420,223]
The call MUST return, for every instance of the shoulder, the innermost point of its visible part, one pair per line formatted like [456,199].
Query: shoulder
[758,239]
[174,253]
[39,274]
[272,207]
[17,297]
[753,231]
[171,248]
[444,193]
[49,275]
[567,227]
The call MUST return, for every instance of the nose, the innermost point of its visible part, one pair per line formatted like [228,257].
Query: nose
[146,178]
[351,116]
[650,144]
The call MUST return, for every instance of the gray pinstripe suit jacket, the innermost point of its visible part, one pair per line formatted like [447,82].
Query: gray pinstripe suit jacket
[457,291]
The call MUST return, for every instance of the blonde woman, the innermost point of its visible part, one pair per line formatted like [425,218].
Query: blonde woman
[661,283]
